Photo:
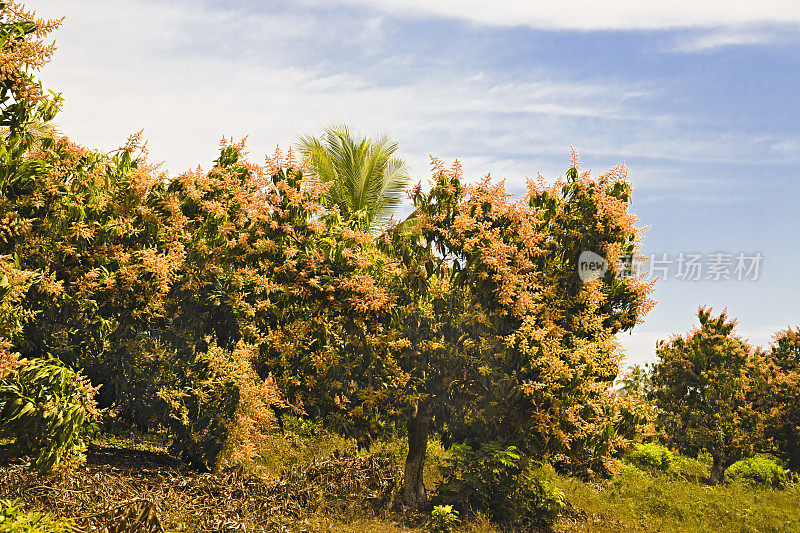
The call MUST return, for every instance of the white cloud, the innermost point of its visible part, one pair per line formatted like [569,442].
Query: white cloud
[760,336]
[189,74]
[125,66]
[594,15]
[720,38]
[786,149]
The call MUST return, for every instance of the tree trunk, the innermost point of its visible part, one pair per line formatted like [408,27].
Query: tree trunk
[419,426]
[717,470]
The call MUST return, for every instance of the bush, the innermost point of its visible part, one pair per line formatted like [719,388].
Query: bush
[500,481]
[444,519]
[221,414]
[651,457]
[13,519]
[46,411]
[14,284]
[756,471]
[692,469]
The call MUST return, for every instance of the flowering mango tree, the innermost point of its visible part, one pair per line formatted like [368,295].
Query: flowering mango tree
[500,338]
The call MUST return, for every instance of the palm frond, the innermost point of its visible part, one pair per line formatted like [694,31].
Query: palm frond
[37,128]
[363,174]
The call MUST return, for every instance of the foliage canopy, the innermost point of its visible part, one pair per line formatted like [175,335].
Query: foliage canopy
[700,385]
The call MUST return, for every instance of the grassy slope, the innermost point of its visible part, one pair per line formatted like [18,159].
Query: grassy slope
[632,501]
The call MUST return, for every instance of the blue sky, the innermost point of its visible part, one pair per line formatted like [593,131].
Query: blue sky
[700,99]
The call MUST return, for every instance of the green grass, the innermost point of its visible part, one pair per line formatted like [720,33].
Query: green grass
[320,523]
[300,444]
[680,500]
[133,441]
[635,501]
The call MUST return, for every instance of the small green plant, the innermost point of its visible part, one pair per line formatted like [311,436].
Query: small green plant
[756,471]
[501,482]
[14,519]
[652,457]
[444,519]
[46,412]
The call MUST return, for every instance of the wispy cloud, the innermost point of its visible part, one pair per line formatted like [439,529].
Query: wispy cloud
[189,74]
[786,149]
[708,41]
[593,15]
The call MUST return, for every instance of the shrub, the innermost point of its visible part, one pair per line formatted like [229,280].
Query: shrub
[756,471]
[46,411]
[692,469]
[13,519]
[501,482]
[14,284]
[221,414]
[627,470]
[651,457]
[444,519]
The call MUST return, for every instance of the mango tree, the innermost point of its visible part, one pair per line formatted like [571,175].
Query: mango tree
[700,385]
[501,339]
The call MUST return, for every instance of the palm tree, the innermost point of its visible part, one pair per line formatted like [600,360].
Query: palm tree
[636,380]
[36,127]
[366,181]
